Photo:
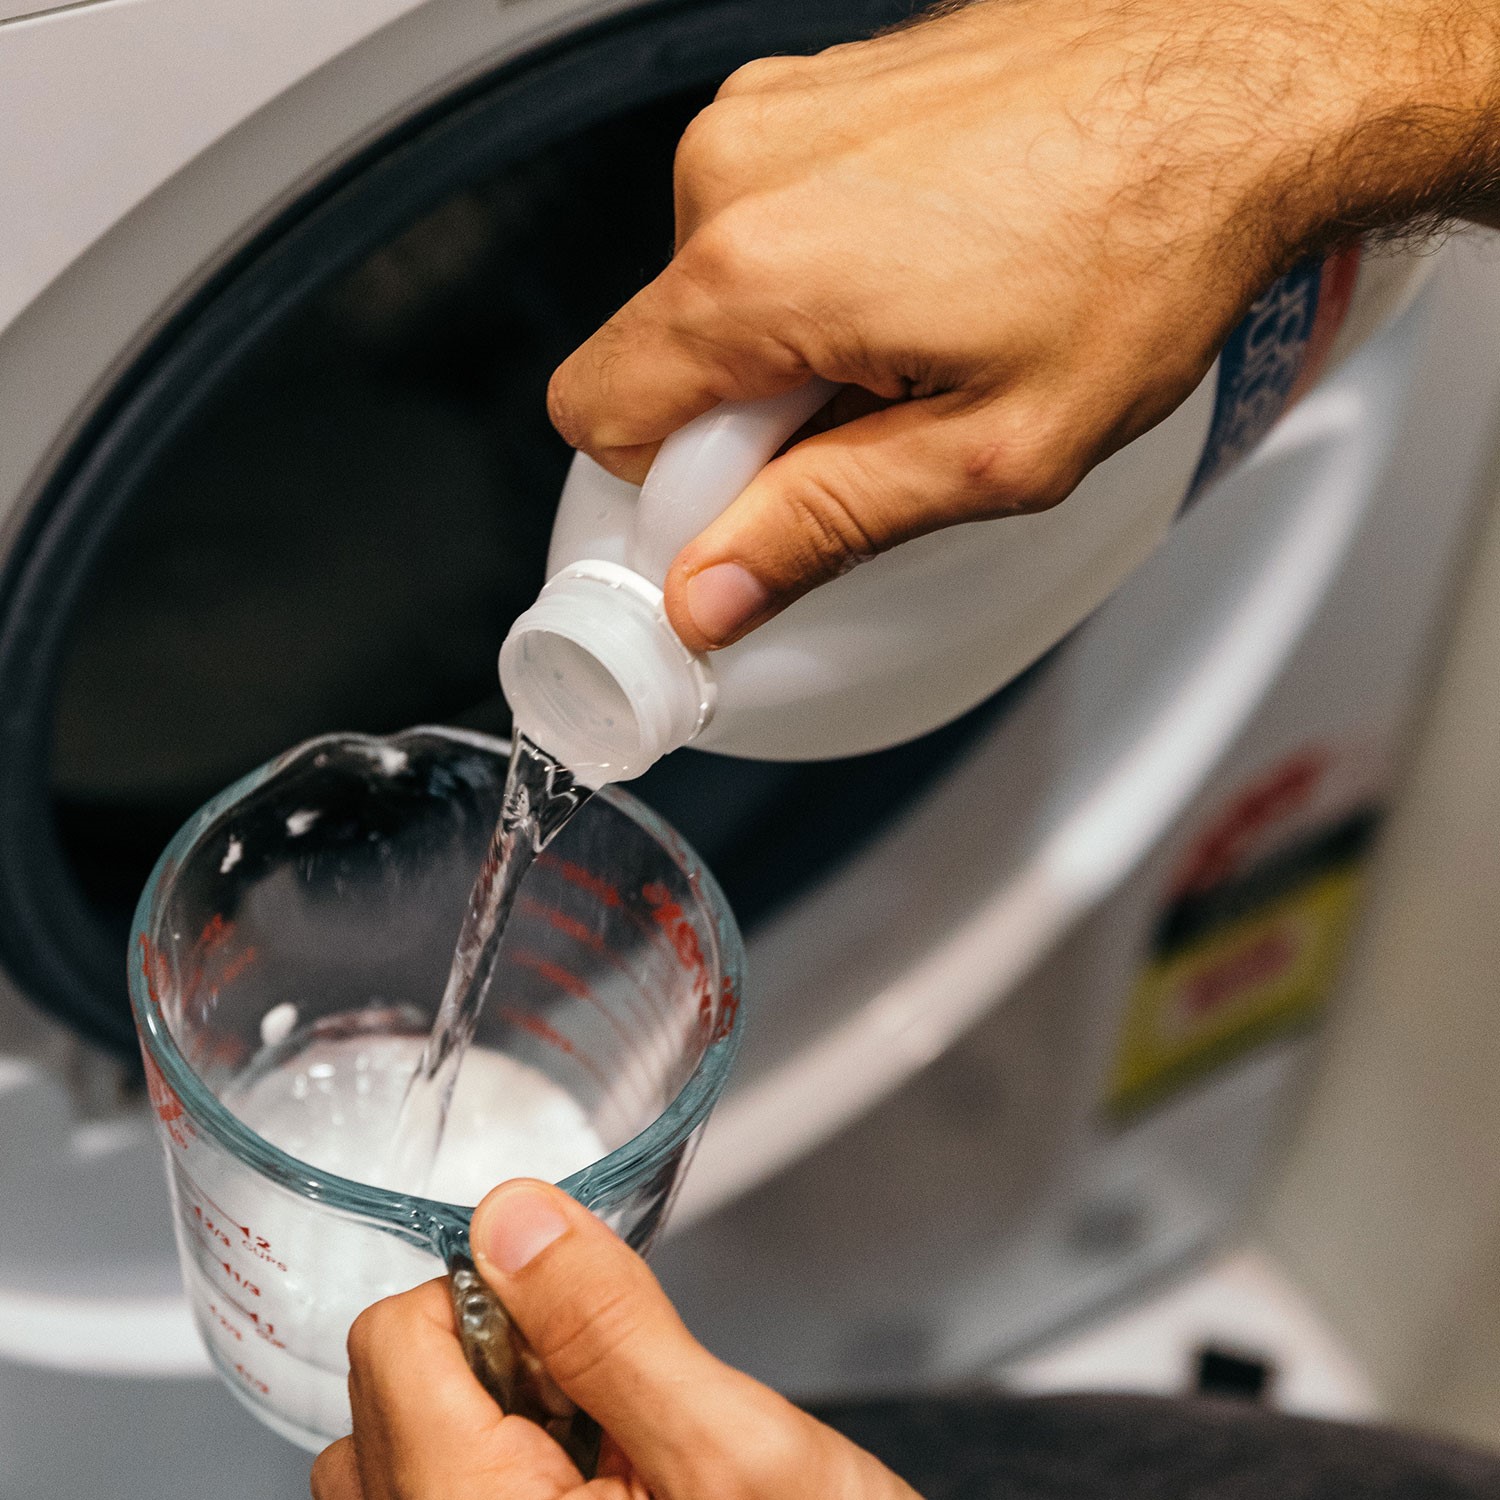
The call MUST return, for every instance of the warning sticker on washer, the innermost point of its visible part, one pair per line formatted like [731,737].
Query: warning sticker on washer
[1247,950]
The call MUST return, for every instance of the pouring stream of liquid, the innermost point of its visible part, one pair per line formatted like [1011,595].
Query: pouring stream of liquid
[540,796]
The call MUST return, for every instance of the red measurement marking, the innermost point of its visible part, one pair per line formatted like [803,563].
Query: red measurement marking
[543,1032]
[168,1107]
[212,1237]
[261,1327]
[256,1245]
[683,937]
[259,1248]
[569,983]
[538,1028]
[237,965]
[215,962]
[225,1324]
[249,1242]
[164,1099]
[251,1381]
[729,1008]
[244,1283]
[594,941]
[267,1332]
[225,1217]
[202,1230]
[569,926]
[680,932]
[155,970]
[243,1229]
[585,880]
[555,975]
[215,931]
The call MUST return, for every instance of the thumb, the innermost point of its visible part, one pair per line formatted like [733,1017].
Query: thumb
[597,1318]
[840,497]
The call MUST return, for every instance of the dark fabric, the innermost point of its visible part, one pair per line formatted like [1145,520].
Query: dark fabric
[1141,1448]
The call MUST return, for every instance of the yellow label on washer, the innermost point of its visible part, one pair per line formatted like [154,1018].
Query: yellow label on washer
[1241,982]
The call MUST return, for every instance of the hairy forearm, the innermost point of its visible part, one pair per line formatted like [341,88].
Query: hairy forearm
[1306,122]
[1320,122]
[1419,141]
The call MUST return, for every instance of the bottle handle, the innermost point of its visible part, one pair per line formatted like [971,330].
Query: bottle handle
[507,1367]
[704,466]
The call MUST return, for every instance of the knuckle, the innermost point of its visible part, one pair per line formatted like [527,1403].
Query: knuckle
[319,1480]
[371,1331]
[708,148]
[562,409]
[758,74]
[721,254]
[1019,466]
[325,1480]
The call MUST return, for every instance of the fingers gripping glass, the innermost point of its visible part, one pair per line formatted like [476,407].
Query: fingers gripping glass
[314,904]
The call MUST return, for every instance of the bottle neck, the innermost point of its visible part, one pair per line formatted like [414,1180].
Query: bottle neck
[595,674]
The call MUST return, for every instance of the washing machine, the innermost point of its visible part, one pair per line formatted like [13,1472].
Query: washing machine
[280,288]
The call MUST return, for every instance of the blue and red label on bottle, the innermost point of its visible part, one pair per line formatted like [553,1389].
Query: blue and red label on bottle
[1274,355]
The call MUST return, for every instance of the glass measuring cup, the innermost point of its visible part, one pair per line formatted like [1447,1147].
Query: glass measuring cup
[315,903]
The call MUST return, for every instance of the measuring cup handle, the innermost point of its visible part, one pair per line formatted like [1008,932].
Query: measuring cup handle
[508,1368]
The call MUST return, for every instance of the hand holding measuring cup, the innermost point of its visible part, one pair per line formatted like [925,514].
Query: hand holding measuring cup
[287,957]
[680,1424]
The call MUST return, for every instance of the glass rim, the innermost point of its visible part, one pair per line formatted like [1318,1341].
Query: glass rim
[598,1184]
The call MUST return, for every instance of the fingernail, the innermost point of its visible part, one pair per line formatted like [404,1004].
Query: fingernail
[724,599]
[521,1224]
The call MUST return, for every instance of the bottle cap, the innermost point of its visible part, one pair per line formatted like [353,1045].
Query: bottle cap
[595,674]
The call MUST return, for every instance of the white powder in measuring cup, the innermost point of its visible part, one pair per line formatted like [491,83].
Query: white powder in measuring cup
[276,1280]
[335,1105]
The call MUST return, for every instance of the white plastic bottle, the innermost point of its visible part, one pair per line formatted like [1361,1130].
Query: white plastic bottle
[595,674]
